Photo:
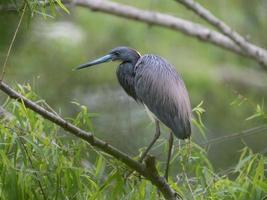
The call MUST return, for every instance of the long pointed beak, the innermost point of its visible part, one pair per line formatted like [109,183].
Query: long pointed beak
[103,59]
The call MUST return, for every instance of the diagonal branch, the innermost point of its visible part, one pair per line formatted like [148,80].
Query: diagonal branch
[252,50]
[174,23]
[237,45]
[143,169]
[164,20]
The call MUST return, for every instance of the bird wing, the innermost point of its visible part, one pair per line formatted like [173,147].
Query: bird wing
[161,89]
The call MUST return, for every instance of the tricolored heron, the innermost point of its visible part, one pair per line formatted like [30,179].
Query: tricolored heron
[152,81]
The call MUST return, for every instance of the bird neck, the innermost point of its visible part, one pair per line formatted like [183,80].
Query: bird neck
[132,58]
[125,75]
[127,67]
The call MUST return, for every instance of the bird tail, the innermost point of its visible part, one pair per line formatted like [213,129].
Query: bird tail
[182,130]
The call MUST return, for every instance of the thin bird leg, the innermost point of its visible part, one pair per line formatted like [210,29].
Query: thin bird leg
[169,156]
[189,148]
[156,136]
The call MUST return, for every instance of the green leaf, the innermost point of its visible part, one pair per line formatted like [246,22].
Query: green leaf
[62,6]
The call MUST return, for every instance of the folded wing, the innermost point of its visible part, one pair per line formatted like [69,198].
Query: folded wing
[162,90]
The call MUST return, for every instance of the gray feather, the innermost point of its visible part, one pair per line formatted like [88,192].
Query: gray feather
[161,89]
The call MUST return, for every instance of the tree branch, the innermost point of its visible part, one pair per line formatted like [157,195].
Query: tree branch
[258,53]
[164,20]
[142,169]
[239,46]
[187,27]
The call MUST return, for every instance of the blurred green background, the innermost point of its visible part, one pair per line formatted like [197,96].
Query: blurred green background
[46,50]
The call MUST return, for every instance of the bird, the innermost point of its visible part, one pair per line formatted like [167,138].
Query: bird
[152,81]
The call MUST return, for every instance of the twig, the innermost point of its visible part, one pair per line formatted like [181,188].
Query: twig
[12,42]
[142,169]
[247,132]
[252,50]
[244,133]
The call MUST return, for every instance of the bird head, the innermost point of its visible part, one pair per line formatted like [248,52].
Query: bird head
[122,54]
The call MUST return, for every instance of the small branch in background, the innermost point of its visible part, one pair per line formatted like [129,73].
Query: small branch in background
[258,53]
[142,169]
[227,137]
[12,42]
[244,133]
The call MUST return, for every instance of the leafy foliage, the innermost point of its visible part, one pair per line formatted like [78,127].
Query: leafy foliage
[37,7]
[198,122]
[259,113]
[40,161]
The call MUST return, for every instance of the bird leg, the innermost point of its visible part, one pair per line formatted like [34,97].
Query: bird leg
[156,136]
[169,156]
[189,148]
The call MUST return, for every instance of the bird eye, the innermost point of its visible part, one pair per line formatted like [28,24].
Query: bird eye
[116,53]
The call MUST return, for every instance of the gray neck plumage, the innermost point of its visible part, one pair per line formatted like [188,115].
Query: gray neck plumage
[132,58]
[125,75]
